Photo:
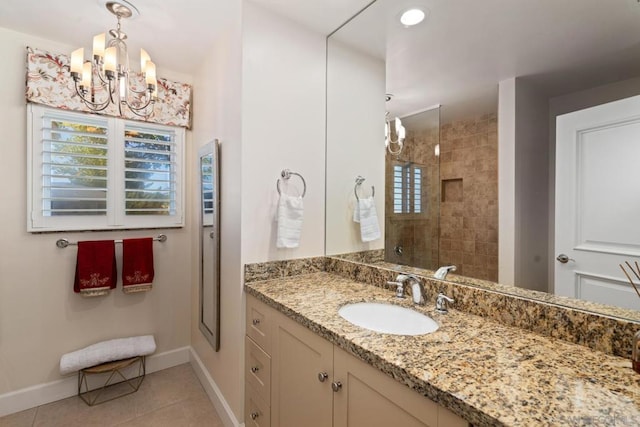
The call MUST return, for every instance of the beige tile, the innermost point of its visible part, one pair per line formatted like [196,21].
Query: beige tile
[200,412]
[172,397]
[19,419]
[74,412]
[169,416]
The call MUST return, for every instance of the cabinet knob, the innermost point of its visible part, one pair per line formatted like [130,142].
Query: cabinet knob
[255,369]
[336,386]
[256,321]
[254,415]
[322,376]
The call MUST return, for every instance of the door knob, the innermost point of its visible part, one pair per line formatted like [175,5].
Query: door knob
[564,258]
[254,415]
[336,386]
[255,369]
[322,376]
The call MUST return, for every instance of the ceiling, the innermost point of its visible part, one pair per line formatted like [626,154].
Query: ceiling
[457,56]
[174,32]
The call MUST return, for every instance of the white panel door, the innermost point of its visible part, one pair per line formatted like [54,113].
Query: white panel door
[597,224]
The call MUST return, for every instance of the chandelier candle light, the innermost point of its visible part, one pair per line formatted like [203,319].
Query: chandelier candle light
[400,132]
[109,71]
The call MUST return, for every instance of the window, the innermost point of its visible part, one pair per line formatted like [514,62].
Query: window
[407,189]
[89,172]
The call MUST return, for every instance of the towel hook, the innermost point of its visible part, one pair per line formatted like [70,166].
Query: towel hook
[359,181]
[286,174]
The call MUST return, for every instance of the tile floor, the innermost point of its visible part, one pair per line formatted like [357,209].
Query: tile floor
[172,397]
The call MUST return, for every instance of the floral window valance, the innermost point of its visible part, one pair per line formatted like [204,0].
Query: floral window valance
[49,82]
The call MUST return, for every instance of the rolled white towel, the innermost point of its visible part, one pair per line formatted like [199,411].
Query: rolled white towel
[290,214]
[107,351]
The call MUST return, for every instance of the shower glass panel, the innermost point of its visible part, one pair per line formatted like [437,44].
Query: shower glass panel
[412,205]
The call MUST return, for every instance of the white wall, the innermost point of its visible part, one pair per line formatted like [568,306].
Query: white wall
[217,87]
[283,125]
[531,187]
[260,91]
[40,316]
[355,143]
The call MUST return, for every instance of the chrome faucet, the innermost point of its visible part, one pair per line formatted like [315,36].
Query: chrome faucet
[441,303]
[417,288]
[443,271]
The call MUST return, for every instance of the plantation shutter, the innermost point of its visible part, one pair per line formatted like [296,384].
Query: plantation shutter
[150,171]
[74,153]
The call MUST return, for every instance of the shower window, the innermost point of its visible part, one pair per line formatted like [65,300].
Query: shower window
[407,189]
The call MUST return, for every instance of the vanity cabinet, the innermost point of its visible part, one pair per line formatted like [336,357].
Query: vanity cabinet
[313,383]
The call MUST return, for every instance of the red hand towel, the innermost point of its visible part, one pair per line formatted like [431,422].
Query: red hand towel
[95,268]
[137,265]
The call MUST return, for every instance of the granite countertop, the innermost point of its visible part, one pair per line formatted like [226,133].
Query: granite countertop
[487,373]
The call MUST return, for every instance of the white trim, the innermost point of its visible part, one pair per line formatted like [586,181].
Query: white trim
[213,391]
[41,394]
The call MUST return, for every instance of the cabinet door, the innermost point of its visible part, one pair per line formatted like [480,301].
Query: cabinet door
[370,398]
[298,396]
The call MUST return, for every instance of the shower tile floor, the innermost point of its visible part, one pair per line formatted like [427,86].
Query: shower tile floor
[172,397]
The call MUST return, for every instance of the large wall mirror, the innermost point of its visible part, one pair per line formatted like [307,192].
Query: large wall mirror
[209,234]
[452,125]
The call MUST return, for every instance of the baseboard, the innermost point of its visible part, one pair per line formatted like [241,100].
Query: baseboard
[42,394]
[219,402]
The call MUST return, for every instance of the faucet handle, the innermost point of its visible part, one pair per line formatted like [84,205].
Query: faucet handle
[399,288]
[441,303]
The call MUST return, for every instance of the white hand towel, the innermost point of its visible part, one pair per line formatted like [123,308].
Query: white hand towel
[369,228]
[290,213]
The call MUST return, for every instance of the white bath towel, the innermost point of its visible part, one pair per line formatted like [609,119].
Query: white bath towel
[290,214]
[107,351]
[365,214]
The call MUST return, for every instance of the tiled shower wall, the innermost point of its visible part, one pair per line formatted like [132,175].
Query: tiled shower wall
[469,196]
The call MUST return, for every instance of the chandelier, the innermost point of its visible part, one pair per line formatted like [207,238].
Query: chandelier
[400,134]
[107,78]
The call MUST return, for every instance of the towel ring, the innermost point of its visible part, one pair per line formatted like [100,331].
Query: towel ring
[359,181]
[286,174]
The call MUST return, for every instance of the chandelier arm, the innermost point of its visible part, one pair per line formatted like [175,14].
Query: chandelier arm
[104,81]
[139,92]
[94,106]
[135,110]
[398,151]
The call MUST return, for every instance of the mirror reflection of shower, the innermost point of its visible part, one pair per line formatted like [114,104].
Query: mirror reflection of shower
[441,204]
[412,196]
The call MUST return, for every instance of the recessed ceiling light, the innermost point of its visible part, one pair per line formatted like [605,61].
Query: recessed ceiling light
[412,17]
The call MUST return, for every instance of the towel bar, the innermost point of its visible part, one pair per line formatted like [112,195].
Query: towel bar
[286,174]
[63,243]
[359,181]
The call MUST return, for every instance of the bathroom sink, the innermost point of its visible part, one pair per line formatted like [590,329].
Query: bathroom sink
[388,318]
